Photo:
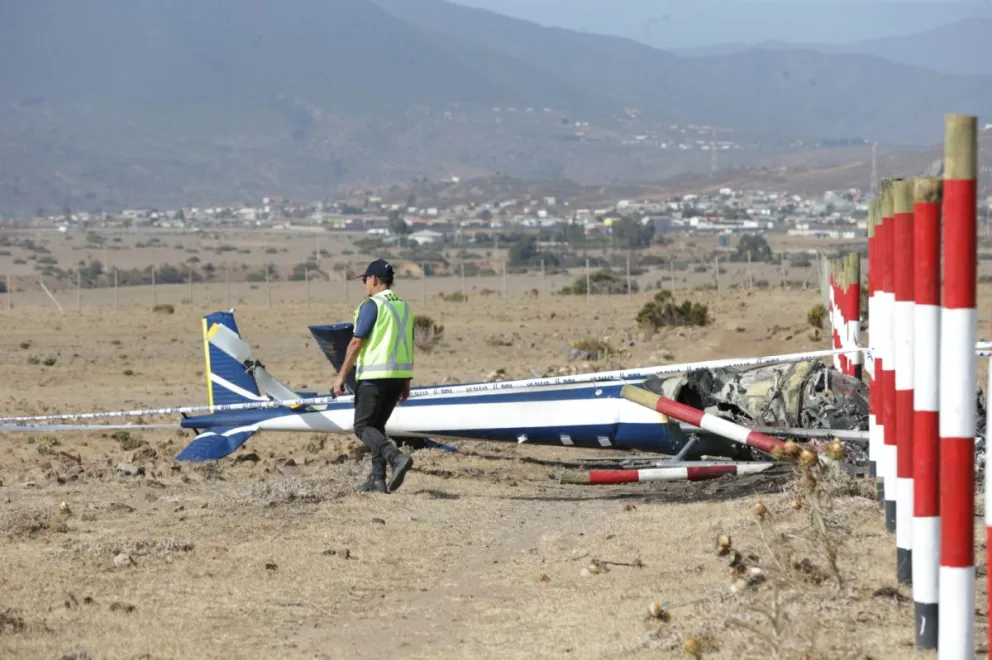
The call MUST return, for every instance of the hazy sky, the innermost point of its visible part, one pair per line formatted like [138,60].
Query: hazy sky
[667,24]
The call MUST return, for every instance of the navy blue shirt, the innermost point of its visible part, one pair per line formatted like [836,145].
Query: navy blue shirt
[367,315]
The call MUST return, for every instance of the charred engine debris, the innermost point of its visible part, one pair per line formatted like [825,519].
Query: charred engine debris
[802,395]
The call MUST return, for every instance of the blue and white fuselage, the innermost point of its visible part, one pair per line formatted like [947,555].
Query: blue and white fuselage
[580,415]
[590,415]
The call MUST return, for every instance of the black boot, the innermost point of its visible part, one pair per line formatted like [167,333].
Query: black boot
[376,483]
[399,462]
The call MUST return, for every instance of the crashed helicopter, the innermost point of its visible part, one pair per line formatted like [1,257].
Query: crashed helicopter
[793,395]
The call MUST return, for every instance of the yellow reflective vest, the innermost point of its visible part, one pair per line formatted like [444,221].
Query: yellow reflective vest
[388,351]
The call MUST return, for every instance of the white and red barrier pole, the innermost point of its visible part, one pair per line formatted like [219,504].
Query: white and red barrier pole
[856,360]
[958,331]
[683,413]
[884,368]
[926,433]
[835,315]
[672,473]
[903,270]
[987,485]
[875,430]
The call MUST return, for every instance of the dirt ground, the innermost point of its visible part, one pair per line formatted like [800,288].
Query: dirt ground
[482,552]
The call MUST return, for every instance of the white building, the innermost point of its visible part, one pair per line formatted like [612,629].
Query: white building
[427,237]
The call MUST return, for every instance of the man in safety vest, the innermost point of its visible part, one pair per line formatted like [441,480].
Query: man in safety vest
[382,351]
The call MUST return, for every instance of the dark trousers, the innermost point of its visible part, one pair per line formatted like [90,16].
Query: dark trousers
[374,403]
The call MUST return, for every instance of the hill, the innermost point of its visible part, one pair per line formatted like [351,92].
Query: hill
[671,25]
[958,48]
[815,178]
[790,92]
[232,100]
[200,102]
[962,47]
[348,53]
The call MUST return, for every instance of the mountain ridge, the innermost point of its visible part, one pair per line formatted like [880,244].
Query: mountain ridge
[957,48]
[239,99]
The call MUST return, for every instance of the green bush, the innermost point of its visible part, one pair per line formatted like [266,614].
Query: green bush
[816,315]
[662,311]
[600,282]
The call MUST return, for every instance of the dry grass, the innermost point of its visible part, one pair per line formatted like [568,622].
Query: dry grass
[271,554]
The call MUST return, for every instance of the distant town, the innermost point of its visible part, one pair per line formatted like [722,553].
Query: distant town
[835,215]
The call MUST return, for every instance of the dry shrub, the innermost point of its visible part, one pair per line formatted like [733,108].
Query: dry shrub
[800,566]
[127,441]
[596,349]
[164,309]
[291,491]
[30,523]
[144,547]
[426,333]
[317,443]
[10,621]
[499,341]
[457,296]
[662,311]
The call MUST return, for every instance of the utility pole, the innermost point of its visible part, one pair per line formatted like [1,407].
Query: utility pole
[873,183]
[713,154]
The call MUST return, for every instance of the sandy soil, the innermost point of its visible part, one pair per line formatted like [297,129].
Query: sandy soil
[480,554]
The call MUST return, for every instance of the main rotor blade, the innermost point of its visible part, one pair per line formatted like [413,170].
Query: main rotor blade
[82,427]
[620,375]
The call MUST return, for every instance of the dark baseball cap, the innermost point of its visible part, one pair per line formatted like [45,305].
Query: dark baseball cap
[379,268]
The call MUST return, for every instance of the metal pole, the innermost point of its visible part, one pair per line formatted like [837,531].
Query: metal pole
[154,289]
[544,284]
[504,280]
[268,288]
[41,281]
[423,269]
[79,289]
[628,274]
[10,293]
[306,278]
[344,275]
[716,271]
[671,269]
[588,280]
[461,264]
[116,299]
[191,287]
[750,275]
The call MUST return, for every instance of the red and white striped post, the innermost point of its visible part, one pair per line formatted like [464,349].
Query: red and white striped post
[958,320]
[875,430]
[886,374]
[902,203]
[988,504]
[701,419]
[855,360]
[926,433]
[835,315]
[665,473]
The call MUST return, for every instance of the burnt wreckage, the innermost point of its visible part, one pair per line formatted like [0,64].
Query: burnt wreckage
[784,399]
